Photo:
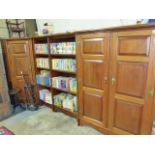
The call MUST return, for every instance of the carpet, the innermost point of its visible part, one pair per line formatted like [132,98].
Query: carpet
[46,122]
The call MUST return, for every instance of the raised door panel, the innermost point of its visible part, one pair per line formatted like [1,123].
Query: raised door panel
[127,116]
[130,80]
[21,65]
[92,75]
[93,104]
[134,45]
[131,77]
[93,46]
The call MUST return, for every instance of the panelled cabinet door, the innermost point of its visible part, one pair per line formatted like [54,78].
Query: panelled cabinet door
[92,52]
[131,82]
[19,53]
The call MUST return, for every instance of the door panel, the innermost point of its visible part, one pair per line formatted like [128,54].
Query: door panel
[130,80]
[93,105]
[20,60]
[134,45]
[131,113]
[131,77]
[93,46]
[93,73]
[92,62]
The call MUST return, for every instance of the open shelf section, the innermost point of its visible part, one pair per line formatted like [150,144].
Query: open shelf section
[43,47]
[64,90]
[67,111]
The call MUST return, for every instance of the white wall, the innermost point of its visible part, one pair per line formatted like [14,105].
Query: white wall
[65,25]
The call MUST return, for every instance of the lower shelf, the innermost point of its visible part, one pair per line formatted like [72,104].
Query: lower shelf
[64,110]
[47,104]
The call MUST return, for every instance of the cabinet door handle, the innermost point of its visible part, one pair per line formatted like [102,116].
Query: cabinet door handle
[150,92]
[113,80]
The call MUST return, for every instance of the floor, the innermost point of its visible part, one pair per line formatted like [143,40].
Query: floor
[46,122]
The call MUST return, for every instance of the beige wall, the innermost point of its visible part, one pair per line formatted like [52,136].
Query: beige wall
[3,27]
[69,25]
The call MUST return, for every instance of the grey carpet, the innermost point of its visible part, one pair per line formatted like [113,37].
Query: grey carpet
[46,122]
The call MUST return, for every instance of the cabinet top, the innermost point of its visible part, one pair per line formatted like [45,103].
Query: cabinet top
[108,29]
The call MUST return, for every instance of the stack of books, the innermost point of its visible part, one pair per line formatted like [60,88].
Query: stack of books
[45,95]
[65,83]
[41,48]
[65,100]
[64,64]
[43,78]
[42,63]
[63,48]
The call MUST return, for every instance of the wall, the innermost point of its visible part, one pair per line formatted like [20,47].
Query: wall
[65,25]
[4,92]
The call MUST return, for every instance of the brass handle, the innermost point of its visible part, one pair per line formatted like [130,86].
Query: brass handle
[113,80]
[150,92]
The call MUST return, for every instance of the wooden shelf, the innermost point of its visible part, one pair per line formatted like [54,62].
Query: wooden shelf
[41,54]
[62,71]
[67,111]
[63,55]
[64,90]
[43,68]
[46,86]
[47,104]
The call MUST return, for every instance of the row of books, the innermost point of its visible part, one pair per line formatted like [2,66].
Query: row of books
[45,95]
[63,48]
[43,78]
[42,63]
[65,83]
[41,48]
[65,100]
[64,64]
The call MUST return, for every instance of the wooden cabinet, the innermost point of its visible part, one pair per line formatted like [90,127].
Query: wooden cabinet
[116,81]
[93,63]
[130,96]
[19,59]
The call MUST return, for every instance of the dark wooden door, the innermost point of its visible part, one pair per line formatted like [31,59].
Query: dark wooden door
[132,84]
[92,52]
[20,60]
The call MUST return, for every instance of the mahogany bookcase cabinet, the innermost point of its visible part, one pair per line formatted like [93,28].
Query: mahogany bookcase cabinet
[115,76]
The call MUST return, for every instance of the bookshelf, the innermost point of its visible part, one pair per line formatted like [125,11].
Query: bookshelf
[41,51]
[67,42]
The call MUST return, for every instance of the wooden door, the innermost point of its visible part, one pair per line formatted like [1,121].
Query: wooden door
[20,60]
[131,86]
[92,52]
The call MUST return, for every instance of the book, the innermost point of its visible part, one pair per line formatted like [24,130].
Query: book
[42,63]
[45,95]
[65,83]
[63,48]
[66,100]
[64,64]
[41,48]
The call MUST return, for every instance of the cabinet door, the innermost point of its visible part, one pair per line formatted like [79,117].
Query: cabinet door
[131,86]
[20,60]
[92,53]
